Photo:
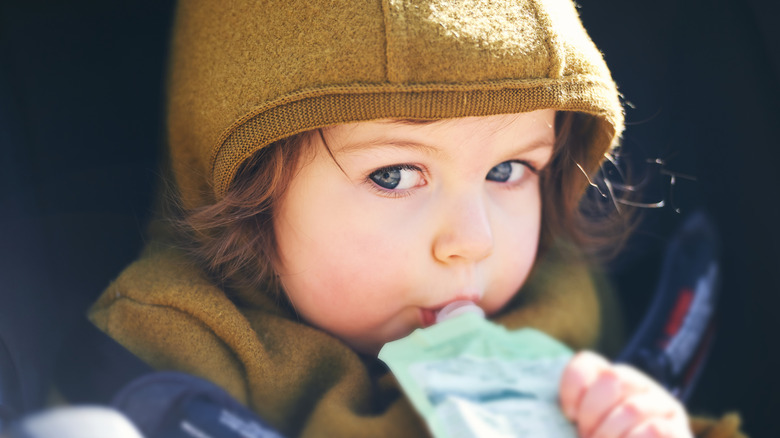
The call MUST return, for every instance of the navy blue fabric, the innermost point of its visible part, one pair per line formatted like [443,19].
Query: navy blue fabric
[178,405]
[675,335]
[10,390]
[96,367]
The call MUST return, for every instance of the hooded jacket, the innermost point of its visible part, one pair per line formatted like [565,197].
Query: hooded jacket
[244,74]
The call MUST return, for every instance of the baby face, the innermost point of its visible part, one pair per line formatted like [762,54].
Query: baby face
[405,218]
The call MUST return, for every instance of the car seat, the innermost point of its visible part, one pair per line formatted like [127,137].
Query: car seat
[80,110]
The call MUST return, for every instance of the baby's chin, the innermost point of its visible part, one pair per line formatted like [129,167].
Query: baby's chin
[371,346]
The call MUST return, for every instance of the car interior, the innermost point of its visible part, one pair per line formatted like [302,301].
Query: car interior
[82,103]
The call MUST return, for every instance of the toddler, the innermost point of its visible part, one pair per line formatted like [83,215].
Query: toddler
[346,169]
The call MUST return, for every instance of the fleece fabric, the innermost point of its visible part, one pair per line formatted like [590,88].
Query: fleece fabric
[246,73]
[298,378]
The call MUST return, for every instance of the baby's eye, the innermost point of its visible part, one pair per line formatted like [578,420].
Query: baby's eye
[508,171]
[397,177]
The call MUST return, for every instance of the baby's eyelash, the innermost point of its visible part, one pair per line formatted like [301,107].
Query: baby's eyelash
[510,174]
[395,194]
[392,192]
[530,166]
[396,167]
[393,168]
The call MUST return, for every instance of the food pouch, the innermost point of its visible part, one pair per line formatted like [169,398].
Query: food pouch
[468,377]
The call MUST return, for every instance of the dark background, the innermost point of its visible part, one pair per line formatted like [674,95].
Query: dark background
[704,81]
[81,113]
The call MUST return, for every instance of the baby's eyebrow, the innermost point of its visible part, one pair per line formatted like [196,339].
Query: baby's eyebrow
[532,146]
[382,142]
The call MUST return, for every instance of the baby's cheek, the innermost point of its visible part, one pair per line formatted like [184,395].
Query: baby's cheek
[506,282]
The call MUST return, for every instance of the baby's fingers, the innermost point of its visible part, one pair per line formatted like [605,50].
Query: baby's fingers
[591,388]
[611,388]
[577,378]
[661,428]
[642,409]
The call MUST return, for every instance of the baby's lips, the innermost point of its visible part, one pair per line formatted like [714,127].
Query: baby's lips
[428,317]
[457,308]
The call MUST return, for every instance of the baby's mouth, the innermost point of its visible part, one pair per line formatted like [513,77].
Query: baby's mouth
[449,310]
[428,317]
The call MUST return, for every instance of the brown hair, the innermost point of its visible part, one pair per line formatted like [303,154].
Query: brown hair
[591,220]
[234,238]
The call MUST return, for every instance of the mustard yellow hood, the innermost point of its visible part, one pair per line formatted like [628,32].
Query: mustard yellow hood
[246,73]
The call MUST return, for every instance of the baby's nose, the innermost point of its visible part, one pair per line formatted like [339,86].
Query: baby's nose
[465,232]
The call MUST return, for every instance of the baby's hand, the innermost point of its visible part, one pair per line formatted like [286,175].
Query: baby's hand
[606,400]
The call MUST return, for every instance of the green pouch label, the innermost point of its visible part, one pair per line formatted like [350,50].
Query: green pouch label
[468,377]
